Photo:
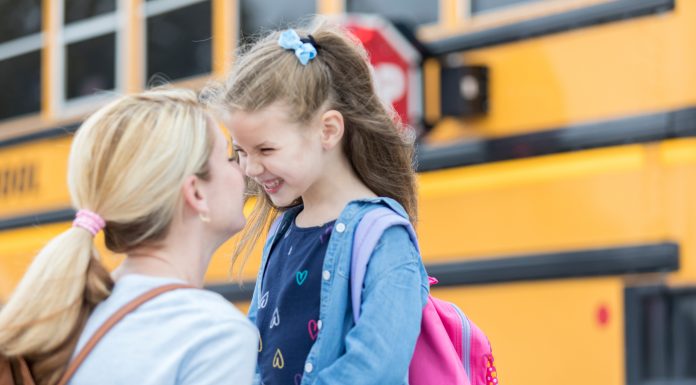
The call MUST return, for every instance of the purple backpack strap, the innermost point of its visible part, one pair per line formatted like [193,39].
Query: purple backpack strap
[274,226]
[367,234]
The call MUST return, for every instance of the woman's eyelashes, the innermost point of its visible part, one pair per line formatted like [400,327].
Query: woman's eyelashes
[233,156]
[237,154]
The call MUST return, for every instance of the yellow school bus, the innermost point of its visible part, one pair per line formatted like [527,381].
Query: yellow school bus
[557,158]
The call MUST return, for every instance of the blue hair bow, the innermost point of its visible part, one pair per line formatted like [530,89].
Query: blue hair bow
[304,51]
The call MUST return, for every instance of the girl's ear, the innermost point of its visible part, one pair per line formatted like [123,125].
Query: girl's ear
[195,197]
[331,129]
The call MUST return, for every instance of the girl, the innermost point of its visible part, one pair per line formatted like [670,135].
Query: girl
[153,172]
[316,142]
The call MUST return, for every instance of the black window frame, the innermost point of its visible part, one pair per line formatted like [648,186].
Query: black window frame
[158,8]
[660,300]
[401,23]
[81,31]
[247,37]
[109,37]
[487,8]
[25,33]
[26,93]
[69,19]
[22,46]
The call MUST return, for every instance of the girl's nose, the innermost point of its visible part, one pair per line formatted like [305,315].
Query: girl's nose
[252,168]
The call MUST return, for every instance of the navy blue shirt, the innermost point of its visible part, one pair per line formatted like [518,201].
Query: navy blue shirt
[289,303]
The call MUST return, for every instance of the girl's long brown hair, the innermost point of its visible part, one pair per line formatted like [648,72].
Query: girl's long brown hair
[339,78]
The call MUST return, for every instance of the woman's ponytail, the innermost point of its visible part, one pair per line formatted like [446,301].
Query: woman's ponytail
[45,315]
[127,164]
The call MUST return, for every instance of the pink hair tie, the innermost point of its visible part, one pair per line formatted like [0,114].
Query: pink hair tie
[89,221]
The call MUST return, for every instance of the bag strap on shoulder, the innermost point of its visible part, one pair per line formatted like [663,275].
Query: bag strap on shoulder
[369,231]
[112,321]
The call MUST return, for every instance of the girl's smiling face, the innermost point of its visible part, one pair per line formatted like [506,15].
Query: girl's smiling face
[283,157]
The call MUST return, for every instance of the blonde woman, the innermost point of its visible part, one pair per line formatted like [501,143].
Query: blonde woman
[153,172]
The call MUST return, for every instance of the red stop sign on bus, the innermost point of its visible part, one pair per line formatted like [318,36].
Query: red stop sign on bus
[396,63]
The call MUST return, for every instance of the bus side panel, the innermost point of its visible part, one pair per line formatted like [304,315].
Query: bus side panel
[20,246]
[678,160]
[576,200]
[33,177]
[550,332]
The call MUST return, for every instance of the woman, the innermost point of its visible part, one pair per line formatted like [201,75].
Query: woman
[153,171]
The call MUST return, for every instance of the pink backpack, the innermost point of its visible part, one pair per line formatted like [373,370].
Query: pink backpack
[450,348]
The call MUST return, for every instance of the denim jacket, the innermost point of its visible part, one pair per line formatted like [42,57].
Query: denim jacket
[378,349]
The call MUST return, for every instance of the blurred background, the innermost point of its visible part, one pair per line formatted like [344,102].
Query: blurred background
[556,154]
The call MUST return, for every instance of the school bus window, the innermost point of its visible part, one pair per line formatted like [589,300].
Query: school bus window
[76,10]
[88,73]
[528,8]
[401,12]
[179,40]
[89,50]
[21,75]
[19,18]
[479,6]
[20,57]
[257,16]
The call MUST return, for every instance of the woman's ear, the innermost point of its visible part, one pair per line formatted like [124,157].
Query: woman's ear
[195,197]
[332,129]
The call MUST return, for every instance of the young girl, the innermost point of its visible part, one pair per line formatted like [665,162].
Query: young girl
[152,171]
[317,143]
